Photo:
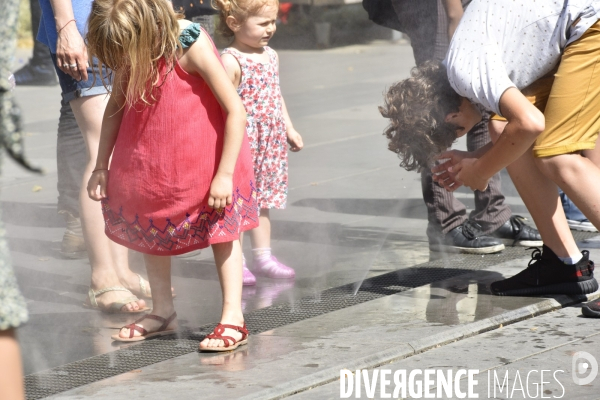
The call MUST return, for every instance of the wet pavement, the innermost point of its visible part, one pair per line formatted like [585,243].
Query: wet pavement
[352,215]
[311,352]
[518,352]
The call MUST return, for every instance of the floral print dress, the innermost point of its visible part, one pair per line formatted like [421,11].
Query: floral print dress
[266,129]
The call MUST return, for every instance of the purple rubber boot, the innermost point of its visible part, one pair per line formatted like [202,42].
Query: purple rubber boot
[247,277]
[271,268]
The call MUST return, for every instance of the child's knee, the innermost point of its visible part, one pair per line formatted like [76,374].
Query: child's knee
[226,248]
[562,167]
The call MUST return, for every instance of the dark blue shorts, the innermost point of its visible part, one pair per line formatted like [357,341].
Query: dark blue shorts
[95,84]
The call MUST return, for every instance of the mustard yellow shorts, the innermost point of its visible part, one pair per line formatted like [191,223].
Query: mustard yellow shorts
[569,99]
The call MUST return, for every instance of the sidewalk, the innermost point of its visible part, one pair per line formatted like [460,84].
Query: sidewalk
[304,357]
[366,292]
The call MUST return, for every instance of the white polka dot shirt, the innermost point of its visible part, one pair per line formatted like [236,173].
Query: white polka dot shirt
[512,43]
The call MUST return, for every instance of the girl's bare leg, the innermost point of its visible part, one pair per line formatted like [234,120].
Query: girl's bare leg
[159,276]
[228,258]
[261,235]
[264,263]
[11,369]
[108,259]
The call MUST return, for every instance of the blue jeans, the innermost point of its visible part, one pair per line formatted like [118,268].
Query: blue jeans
[94,85]
[71,152]
[571,211]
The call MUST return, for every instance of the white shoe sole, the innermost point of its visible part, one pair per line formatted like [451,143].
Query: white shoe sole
[468,250]
[523,243]
[581,226]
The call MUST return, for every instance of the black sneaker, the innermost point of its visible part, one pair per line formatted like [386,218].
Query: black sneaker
[591,309]
[547,274]
[466,238]
[36,75]
[515,232]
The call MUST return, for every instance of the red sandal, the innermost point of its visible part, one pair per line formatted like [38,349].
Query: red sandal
[161,331]
[217,334]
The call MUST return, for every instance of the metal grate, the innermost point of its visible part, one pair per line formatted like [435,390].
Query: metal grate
[83,372]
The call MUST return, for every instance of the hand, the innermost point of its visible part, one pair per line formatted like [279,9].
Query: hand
[441,173]
[295,140]
[221,191]
[467,173]
[98,178]
[71,52]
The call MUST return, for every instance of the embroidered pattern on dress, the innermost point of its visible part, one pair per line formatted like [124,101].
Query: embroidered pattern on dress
[191,231]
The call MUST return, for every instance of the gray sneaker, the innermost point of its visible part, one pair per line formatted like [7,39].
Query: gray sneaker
[466,238]
[515,232]
[583,225]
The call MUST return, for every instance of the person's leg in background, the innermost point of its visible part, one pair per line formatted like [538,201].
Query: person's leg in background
[446,215]
[39,71]
[71,162]
[444,211]
[449,229]
[490,210]
[264,263]
[109,260]
[419,19]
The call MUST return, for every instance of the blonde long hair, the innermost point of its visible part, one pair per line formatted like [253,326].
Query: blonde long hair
[239,9]
[134,37]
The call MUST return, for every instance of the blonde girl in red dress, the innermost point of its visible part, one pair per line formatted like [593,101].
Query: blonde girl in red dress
[253,67]
[180,177]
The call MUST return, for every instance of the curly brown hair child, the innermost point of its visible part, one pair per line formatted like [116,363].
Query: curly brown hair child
[417,108]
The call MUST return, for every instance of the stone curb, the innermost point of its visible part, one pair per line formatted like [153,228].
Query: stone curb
[378,359]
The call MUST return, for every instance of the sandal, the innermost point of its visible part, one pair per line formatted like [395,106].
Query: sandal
[272,268]
[161,331]
[114,308]
[145,289]
[217,334]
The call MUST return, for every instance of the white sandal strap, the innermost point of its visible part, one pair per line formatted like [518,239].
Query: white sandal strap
[143,287]
[92,294]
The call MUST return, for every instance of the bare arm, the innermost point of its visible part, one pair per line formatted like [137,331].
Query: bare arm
[232,68]
[454,11]
[525,124]
[293,137]
[441,174]
[70,47]
[111,122]
[201,60]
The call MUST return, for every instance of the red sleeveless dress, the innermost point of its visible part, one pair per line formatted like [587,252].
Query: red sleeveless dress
[164,160]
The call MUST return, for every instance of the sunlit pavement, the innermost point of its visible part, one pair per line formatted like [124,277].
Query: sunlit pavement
[352,215]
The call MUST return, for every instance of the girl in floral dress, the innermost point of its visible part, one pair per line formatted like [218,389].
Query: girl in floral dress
[181,176]
[253,68]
